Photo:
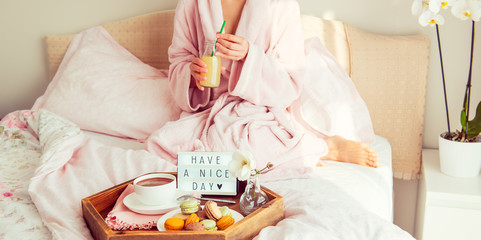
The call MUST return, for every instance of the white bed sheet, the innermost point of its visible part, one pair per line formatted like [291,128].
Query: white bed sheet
[368,187]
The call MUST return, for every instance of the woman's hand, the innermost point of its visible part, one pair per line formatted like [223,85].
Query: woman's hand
[231,47]
[196,68]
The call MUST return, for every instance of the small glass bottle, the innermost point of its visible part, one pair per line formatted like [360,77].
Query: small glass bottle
[213,67]
[253,196]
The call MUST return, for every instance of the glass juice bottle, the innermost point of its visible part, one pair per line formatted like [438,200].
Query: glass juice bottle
[213,67]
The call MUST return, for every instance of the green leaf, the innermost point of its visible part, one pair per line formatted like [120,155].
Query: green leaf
[463,120]
[463,112]
[474,127]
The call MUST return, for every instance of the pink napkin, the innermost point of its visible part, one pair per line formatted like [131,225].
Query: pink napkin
[121,218]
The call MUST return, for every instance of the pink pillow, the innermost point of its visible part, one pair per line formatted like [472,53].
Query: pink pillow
[104,88]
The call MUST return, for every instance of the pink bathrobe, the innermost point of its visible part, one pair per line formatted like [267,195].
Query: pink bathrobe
[251,110]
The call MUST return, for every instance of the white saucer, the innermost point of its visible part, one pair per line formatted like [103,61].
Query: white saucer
[132,202]
[160,223]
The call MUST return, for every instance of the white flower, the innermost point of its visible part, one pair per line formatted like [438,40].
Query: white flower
[241,165]
[467,9]
[419,6]
[437,5]
[430,18]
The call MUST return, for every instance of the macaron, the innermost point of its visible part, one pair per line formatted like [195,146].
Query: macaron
[181,216]
[174,224]
[193,218]
[201,215]
[212,211]
[189,206]
[209,225]
[225,211]
[225,222]
[195,226]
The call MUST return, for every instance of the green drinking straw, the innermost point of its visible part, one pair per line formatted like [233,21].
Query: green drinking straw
[221,29]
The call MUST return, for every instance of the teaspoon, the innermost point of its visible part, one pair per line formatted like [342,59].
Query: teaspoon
[187,196]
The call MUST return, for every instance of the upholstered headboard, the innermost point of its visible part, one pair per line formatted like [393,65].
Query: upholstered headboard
[390,72]
[148,37]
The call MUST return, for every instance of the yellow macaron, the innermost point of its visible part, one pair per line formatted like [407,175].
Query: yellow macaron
[193,218]
[225,222]
[174,224]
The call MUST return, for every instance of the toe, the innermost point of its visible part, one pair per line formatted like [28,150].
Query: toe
[374,162]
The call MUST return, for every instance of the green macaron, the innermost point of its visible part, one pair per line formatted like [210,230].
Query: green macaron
[210,225]
[189,207]
[225,211]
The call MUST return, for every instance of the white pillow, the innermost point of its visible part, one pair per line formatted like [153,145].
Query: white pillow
[104,88]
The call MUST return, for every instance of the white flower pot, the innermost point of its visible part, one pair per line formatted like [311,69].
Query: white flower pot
[459,159]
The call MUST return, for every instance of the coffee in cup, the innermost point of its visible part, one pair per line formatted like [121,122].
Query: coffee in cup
[155,189]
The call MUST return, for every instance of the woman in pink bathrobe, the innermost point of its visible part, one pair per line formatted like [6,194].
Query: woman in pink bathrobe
[263,59]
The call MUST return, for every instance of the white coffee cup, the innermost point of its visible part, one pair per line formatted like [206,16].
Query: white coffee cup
[155,189]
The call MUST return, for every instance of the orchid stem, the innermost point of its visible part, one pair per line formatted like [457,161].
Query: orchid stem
[260,171]
[268,166]
[444,81]
[468,85]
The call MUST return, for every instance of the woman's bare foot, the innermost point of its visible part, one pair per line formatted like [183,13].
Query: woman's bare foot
[344,150]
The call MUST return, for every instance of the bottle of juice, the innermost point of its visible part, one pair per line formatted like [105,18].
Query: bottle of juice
[213,67]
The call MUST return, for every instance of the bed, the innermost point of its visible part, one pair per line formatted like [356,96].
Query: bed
[337,201]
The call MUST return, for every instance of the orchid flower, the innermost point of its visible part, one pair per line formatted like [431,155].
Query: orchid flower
[419,6]
[241,165]
[430,18]
[437,5]
[467,9]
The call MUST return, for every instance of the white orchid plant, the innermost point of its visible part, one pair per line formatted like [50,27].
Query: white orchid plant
[430,14]
[243,165]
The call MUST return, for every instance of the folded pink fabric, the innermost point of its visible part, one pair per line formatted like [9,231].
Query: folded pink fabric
[121,218]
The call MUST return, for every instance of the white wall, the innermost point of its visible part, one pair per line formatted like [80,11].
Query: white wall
[24,76]
[23,23]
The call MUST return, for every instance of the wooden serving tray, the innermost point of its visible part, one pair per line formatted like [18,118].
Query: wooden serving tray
[96,207]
